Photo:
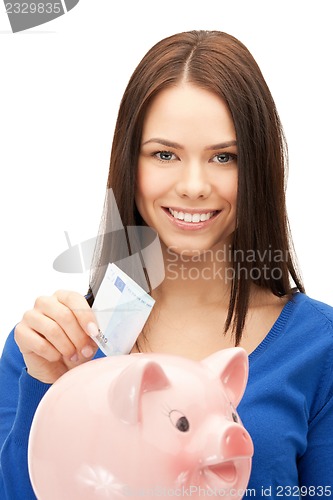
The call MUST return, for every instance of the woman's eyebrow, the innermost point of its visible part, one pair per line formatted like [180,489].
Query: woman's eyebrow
[164,142]
[175,145]
[222,145]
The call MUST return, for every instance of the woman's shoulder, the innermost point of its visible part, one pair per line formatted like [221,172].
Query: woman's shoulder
[312,312]
[303,327]
[308,323]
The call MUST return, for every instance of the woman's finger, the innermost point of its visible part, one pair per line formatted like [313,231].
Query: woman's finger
[51,331]
[30,341]
[69,313]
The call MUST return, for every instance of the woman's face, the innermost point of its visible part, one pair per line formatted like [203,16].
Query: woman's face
[187,169]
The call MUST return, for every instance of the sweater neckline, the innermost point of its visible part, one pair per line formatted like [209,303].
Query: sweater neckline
[277,327]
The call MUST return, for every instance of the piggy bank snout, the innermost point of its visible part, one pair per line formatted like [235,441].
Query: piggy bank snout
[236,442]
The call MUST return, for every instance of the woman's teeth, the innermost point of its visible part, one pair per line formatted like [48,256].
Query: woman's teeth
[186,217]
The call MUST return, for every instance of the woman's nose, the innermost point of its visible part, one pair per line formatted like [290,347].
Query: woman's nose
[193,182]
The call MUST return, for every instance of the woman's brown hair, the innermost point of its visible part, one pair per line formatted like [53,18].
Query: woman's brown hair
[220,63]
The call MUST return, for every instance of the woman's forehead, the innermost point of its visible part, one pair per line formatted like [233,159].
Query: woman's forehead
[183,111]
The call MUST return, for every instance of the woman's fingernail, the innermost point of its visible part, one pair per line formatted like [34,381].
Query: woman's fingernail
[87,351]
[92,329]
[75,358]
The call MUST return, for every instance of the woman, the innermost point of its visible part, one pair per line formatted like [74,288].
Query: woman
[199,155]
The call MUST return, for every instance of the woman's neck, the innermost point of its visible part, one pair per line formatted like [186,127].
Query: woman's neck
[198,279]
[192,306]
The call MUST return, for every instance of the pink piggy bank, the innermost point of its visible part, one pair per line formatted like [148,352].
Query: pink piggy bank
[143,426]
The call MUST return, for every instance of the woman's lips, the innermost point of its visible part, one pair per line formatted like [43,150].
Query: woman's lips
[192,216]
[193,219]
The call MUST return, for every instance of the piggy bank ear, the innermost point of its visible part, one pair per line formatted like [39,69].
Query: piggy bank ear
[143,375]
[231,366]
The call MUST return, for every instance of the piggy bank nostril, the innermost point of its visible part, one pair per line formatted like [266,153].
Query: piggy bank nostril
[236,442]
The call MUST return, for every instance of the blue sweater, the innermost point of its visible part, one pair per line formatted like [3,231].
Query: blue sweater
[287,408]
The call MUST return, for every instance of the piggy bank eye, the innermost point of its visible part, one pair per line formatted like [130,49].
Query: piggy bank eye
[179,420]
[234,415]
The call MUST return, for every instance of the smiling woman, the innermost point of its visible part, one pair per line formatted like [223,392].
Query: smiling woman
[188,193]
[194,91]
[199,155]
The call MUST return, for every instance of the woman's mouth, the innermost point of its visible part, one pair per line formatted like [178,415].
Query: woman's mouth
[192,217]
[192,220]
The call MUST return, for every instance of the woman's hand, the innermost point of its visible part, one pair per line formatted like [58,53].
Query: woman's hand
[54,336]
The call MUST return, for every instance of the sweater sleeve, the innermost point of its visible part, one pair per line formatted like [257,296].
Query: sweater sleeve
[20,395]
[316,465]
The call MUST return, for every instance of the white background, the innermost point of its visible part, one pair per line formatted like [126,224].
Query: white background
[60,88]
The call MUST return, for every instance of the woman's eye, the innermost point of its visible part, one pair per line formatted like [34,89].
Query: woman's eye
[224,157]
[164,155]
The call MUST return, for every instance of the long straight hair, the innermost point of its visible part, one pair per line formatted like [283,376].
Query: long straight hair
[219,63]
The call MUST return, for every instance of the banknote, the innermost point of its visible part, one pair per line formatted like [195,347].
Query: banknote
[121,308]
